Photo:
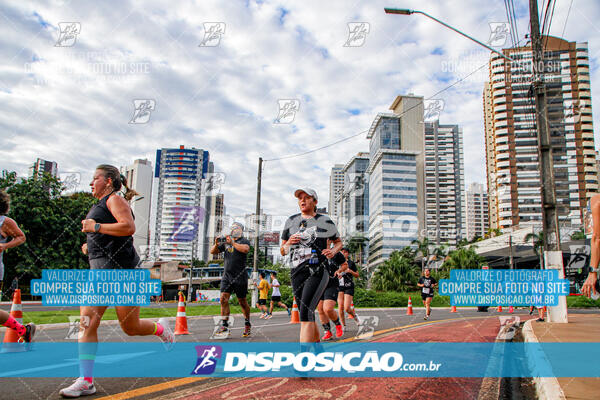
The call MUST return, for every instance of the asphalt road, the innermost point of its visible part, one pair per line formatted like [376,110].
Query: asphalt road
[393,325]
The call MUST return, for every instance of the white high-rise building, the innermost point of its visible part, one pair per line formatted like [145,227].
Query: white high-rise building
[511,134]
[180,203]
[445,183]
[396,179]
[336,188]
[139,178]
[477,211]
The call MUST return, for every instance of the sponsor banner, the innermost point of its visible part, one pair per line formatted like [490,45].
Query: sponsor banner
[504,287]
[95,287]
[235,359]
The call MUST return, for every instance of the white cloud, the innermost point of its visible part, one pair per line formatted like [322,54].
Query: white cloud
[72,105]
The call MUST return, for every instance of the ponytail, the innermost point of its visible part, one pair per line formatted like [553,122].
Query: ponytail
[118,180]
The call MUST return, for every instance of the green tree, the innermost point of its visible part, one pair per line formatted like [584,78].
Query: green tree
[355,245]
[578,235]
[493,232]
[398,273]
[538,245]
[51,222]
[461,258]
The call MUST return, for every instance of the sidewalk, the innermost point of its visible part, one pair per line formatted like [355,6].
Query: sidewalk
[581,328]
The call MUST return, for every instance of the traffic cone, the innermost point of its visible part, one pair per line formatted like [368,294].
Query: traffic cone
[295,313]
[352,308]
[12,341]
[181,320]
[409,310]
[510,309]
[499,309]
[453,309]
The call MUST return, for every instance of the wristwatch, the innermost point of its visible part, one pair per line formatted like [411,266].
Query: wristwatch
[97,227]
[592,269]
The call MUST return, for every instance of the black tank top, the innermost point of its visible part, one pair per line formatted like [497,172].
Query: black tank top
[118,250]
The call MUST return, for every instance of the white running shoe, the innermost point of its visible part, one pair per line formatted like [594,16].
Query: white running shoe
[167,336]
[358,321]
[80,387]
[269,316]
[262,316]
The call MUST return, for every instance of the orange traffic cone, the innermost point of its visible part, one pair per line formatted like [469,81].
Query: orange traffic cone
[181,320]
[352,308]
[499,309]
[12,341]
[295,313]
[453,309]
[510,309]
[409,310]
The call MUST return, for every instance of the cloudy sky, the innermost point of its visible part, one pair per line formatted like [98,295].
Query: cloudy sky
[70,97]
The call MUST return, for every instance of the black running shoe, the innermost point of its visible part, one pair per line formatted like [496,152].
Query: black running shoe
[29,332]
[246,331]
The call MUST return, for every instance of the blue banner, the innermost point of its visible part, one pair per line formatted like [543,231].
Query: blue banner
[95,287]
[233,359]
[504,287]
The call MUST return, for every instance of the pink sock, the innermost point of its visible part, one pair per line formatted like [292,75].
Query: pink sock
[159,329]
[89,380]
[12,323]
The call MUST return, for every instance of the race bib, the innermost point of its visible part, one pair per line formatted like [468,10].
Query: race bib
[300,255]
[426,290]
[341,279]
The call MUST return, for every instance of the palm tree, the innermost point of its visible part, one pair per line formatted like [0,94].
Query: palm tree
[423,249]
[538,245]
[492,232]
[398,273]
[356,244]
[462,258]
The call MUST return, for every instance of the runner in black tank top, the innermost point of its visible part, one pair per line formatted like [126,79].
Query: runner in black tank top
[109,227]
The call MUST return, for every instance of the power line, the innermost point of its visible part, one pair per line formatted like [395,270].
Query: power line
[562,35]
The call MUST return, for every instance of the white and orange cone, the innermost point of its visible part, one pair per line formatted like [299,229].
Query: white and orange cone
[12,341]
[295,313]
[409,310]
[181,320]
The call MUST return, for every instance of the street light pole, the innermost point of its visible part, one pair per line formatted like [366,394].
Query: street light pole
[256,231]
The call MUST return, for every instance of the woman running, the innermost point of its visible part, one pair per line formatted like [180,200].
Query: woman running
[305,237]
[346,290]
[427,283]
[590,286]
[11,236]
[109,226]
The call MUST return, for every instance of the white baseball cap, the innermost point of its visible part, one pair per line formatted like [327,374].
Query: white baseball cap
[308,191]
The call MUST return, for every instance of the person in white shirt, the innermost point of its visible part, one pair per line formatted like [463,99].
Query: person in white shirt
[276,295]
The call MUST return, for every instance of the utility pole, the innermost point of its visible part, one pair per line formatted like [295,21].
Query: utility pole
[552,251]
[546,165]
[257,232]
[511,258]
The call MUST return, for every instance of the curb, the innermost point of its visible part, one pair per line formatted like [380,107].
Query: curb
[545,387]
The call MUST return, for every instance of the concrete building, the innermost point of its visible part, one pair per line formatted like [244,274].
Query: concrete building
[180,205]
[476,211]
[354,200]
[41,166]
[139,178]
[336,187]
[511,134]
[396,179]
[445,183]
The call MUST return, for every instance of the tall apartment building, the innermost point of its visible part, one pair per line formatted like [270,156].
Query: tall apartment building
[396,178]
[477,211]
[354,200]
[216,223]
[444,183]
[41,166]
[180,204]
[511,134]
[139,178]
[336,187]
[265,221]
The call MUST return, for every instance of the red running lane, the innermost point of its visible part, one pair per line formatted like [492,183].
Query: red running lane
[473,330]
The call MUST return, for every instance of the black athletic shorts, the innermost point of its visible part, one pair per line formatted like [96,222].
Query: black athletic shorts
[262,302]
[239,288]
[424,296]
[308,289]
[331,291]
[275,299]
[349,290]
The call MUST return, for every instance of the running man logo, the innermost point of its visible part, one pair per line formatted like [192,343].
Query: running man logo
[287,111]
[357,34]
[70,181]
[212,34]
[574,109]
[432,109]
[214,182]
[207,359]
[77,324]
[499,32]
[187,220]
[68,33]
[142,110]
[367,327]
